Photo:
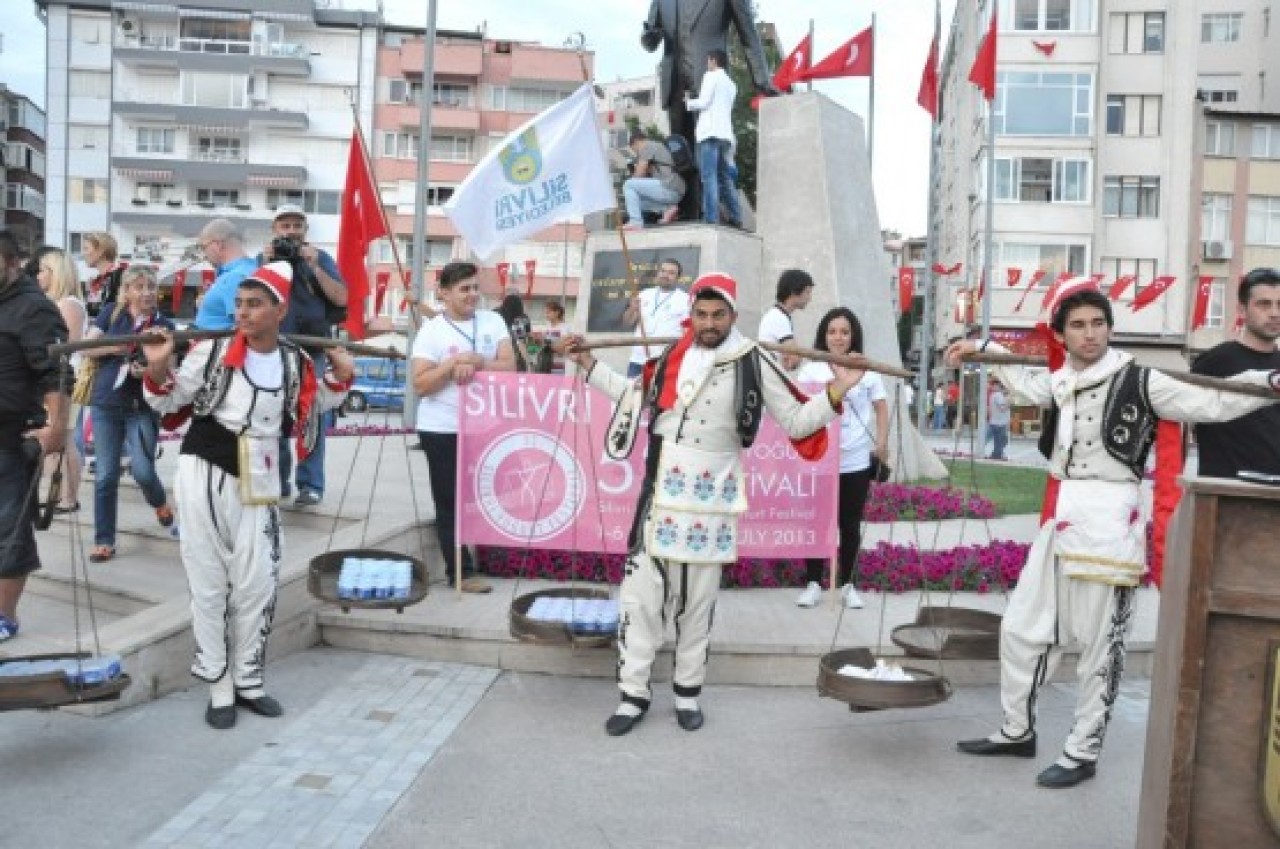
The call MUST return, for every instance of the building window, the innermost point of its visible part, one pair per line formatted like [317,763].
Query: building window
[312,201]
[215,35]
[215,91]
[451,148]
[1262,226]
[1215,217]
[18,155]
[1266,141]
[1113,268]
[96,84]
[400,145]
[1044,104]
[1053,259]
[1222,27]
[1137,32]
[154,192]
[1219,88]
[155,140]
[1033,180]
[1133,114]
[1131,197]
[84,190]
[1047,15]
[528,99]
[405,91]
[75,243]
[1220,138]
[439,195]
[217,197]
[218,149]
[24,198]
[455,95]
[1217,307]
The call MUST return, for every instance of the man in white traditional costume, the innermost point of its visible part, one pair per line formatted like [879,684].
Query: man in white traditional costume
[705,396]
[1078,584]
[242,394]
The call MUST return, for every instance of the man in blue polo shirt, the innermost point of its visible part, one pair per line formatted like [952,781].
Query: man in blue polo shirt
[223,246]
[316,284]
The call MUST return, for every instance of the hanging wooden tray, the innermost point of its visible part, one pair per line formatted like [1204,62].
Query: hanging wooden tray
[322,579]
[539,631]
[52,689]
[950,633]
[926,688]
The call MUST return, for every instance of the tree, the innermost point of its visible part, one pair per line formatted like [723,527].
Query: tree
[746,121]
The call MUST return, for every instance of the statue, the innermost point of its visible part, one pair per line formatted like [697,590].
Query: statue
[687,30]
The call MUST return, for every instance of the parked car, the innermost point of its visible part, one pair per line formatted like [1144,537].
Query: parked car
[378,383]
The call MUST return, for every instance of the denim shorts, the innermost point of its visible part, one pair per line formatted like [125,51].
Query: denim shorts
[18,554]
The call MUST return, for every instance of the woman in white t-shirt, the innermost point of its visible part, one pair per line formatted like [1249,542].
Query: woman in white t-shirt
[864,430]
[56,273]
[447,352]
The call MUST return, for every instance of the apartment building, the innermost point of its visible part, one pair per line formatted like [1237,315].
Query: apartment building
[162,116]
[625,102]
[22,158]
[1094,114]
[484,88]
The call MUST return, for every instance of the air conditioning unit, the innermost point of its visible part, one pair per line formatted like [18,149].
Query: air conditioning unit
[129,26]
[1217,249]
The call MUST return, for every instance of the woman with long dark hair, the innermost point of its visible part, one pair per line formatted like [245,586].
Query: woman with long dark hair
[864,431]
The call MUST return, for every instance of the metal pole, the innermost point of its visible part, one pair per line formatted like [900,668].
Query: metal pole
[410,413]
[924,384]
[871,105]
[809,87]
[986,282]
[564,270]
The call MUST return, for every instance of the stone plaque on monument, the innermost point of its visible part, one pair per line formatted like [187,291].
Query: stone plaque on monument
[611,291]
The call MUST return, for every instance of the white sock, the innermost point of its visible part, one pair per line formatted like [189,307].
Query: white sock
[1001,737]
[222,693]
[627,709]
[1067,763]
[686,703]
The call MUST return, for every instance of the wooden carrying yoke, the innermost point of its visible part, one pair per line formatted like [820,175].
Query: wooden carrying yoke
[1220,383]
[854,361]
[353,348]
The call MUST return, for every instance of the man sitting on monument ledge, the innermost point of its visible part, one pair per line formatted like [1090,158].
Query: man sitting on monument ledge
[654,184]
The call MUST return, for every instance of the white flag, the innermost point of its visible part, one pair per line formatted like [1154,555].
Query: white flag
[550,169]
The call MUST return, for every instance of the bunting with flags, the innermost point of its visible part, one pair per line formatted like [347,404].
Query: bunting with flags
[1119,286]
[1150,294]
[1204,292]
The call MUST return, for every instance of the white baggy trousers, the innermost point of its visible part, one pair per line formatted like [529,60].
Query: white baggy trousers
[653,590]
[1048,613]
[232,554]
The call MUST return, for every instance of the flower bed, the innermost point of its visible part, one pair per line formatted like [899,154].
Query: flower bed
[896,502]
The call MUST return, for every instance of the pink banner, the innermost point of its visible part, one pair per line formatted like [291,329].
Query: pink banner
[532,473]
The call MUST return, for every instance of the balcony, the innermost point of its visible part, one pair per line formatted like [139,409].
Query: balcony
[187,218]
[451,115]
[292,116]
[534,63]
[451,60]
[212,54]
[236,171]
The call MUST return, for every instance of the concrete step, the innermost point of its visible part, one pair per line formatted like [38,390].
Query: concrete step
[760,636]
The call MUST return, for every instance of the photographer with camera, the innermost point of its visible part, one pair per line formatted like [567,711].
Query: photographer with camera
[30,396]
[119,414]
[654,185]
[318,303]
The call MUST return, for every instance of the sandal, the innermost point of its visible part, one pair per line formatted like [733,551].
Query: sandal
[8,628]
[102,553]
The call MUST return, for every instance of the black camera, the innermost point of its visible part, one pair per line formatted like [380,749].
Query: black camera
[285,249]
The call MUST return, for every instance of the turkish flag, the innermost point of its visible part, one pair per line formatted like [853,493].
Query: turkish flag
[906,288]
[939,268]
[1118,287]
[1200,313]
[179,280]
[1015,276]
[928,96]
[796,66]
[851,59]
[504,271]
[381,282]
[983,72]
[1150,294]
[530,266]
[360,223]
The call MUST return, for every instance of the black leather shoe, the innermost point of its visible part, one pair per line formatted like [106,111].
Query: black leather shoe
[620,724]
[1024,748]
[262,706]
[1059,777]
[690,720]
[220,718]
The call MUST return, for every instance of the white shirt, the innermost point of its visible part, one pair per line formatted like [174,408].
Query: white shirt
[662,314]
[266,371]
[714,105]
[776,326]
[441,338]
[858,420]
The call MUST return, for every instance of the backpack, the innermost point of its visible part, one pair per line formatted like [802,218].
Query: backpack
[681,153]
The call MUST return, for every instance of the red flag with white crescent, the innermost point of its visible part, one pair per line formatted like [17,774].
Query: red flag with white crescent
[1200,313]
[851,59]
[796,66]
[1118,287]
[906,288]
[1150,294]
[1015,276]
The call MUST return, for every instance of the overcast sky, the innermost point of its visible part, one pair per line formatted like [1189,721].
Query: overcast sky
[612,29]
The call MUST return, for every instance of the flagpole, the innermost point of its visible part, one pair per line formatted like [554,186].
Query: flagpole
[420,211]
[871,105]
[924,384]
[810,82]
[989,285]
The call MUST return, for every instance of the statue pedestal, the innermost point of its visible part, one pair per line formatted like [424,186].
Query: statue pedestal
[1212,770]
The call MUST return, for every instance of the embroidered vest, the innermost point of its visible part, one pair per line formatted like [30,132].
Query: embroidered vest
[1128,422]
[217,382]
[748,396]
